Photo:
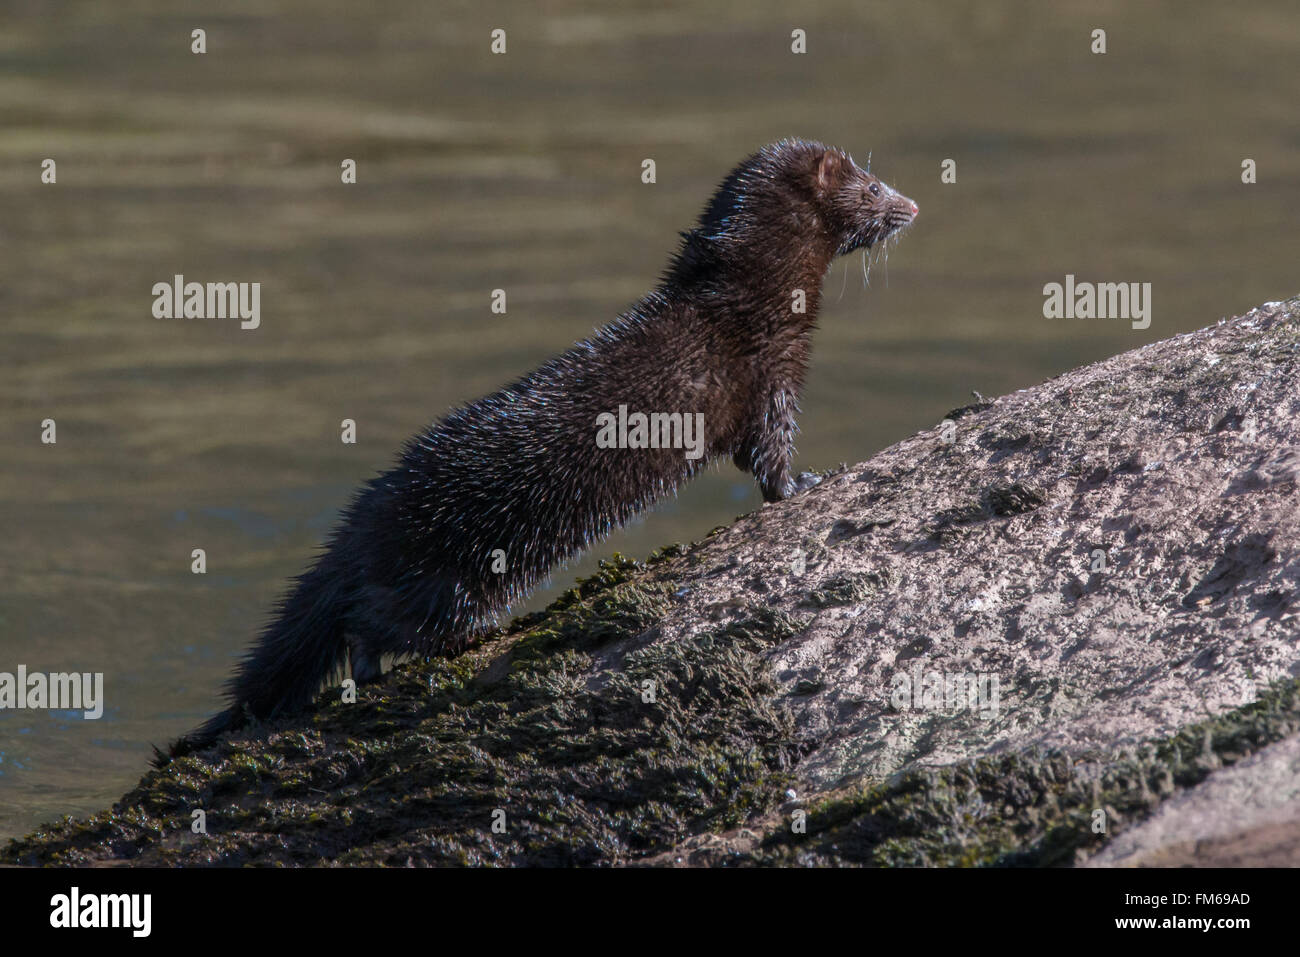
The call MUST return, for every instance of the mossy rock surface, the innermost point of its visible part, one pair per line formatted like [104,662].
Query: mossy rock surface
[540,756]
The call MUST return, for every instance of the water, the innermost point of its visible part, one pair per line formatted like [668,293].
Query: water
[522,172]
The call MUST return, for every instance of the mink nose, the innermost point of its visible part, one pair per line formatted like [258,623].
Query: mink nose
[915,209]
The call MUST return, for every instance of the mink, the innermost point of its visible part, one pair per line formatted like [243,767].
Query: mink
[483,504]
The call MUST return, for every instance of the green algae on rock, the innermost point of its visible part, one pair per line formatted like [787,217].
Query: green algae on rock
[1022,809]
[581,764]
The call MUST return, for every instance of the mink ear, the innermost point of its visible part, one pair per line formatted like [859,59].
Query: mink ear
[829,168]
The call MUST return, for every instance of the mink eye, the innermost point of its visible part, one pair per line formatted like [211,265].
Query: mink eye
[874,189]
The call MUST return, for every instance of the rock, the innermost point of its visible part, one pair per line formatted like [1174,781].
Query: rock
[1243,815]
[1015,647]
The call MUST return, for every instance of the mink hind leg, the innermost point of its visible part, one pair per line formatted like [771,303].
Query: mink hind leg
[366,665]
[421,617]
[376,626]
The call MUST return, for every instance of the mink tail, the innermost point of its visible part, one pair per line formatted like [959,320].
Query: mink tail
[303,646]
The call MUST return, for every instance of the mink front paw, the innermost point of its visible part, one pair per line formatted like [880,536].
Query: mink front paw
[772,492]
[804,481]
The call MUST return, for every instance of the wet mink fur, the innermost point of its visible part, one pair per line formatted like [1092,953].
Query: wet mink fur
[408,569]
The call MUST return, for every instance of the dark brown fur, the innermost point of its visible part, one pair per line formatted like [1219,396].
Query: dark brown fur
[408,568]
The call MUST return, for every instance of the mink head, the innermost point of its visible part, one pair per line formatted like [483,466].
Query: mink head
[810,194]
[858,209]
